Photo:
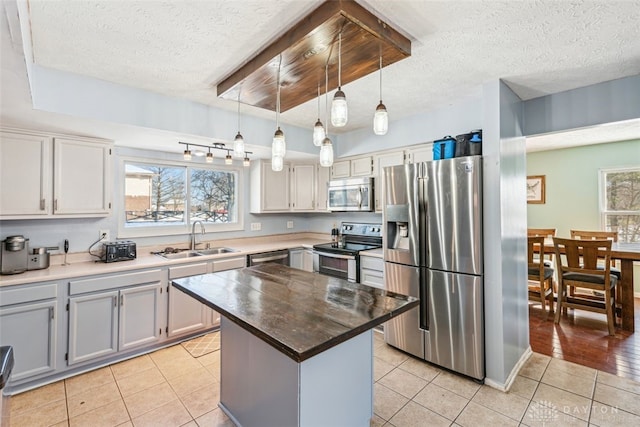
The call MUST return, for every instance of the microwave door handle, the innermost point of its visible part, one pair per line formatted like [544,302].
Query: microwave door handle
[359,197]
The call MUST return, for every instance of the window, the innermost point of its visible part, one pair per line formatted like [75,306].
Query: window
[168,198]
[620,205]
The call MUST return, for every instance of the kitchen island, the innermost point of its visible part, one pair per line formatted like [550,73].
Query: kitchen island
[296,347]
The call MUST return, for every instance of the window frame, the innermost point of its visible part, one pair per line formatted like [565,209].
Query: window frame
[602,197]
[149,230]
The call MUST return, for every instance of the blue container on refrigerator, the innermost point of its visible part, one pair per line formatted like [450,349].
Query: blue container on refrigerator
[444,148]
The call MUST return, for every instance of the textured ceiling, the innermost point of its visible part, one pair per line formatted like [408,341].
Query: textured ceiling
[182,48]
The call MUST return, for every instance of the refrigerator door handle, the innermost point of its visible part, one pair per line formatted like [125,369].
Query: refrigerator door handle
[424,302]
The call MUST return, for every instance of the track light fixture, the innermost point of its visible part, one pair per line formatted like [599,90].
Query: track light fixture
[187,153]
[228,159]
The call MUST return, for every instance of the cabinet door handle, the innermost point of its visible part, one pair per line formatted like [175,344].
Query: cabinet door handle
[42,205]
[51,313]
[55,205]
[121,300]
[115,301]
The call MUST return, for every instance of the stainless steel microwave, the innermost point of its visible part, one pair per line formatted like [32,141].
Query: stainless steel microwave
[355,194]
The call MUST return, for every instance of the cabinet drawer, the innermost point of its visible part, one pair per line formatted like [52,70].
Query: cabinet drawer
[114,281]
[372,263]
[229,264]
[18,295]
[188,270]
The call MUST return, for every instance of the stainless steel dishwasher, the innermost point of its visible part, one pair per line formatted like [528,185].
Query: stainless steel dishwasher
[279,257]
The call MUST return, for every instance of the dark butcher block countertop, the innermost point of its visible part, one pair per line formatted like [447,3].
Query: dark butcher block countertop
[299,313]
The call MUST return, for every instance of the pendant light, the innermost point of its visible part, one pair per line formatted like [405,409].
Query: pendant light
[277,163]
[187,154]
[209,158]
[326,150]
[339,113]
[238,142]
[318,129]
[381,117]
[278,146]
[228,160]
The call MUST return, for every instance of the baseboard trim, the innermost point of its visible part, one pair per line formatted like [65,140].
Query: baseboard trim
[512,376]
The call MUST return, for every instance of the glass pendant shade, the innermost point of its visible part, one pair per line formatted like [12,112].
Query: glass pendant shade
[318,134]
[278,147]
[277,163]
[381,120]
[228,160]
[187,154]
[339,112]
[326,153]
[209,157]
[238,145]
[246,162]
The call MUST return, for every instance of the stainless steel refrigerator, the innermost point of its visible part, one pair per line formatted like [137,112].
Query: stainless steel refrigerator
[433,250]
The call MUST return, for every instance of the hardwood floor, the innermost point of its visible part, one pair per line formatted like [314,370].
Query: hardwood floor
[582,337]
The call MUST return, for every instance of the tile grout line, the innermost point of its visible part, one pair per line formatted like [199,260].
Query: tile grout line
[121,396]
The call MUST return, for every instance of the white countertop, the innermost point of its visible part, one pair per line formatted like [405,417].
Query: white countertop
[79,265]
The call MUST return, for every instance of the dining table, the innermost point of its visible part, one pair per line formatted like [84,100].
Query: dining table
[627,254]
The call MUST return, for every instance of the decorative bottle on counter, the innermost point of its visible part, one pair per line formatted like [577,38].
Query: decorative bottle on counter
[335,234]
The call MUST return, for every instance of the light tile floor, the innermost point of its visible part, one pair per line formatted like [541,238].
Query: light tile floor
[169,387]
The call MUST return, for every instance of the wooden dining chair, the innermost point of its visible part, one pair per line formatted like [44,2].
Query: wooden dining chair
[540,276]
[602,235]
[577,264]
[594,235]
[547,233]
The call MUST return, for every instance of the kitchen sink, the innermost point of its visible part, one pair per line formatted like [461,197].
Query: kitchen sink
[215,251]
[180,255]
[198,252]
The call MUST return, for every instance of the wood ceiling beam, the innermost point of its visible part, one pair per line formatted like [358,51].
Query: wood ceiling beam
[305,50]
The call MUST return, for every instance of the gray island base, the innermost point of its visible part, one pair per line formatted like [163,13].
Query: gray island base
[296,347]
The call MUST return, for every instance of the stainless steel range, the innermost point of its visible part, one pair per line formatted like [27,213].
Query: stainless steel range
[342,259]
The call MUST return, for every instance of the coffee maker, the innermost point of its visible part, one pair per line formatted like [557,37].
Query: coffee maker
[14,255]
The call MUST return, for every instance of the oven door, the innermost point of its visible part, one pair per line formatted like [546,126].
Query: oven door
[336,265]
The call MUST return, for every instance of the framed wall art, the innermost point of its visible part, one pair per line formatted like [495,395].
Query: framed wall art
[535,189]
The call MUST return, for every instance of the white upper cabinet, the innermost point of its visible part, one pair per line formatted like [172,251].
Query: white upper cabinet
[381,161]
[341,169]
[269,189]
[362,166]
[25,175]
[357,166]
[394,158]
[81,177]
[422,153]
[299,187]
[58,176]
[303,187]
[322,183]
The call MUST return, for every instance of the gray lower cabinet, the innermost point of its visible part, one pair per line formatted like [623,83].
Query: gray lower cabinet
[301,258]
[105,322]
[372,271]
[28,319]
[186,314]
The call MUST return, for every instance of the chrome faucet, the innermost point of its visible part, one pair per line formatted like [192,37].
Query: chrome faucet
[193,233]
